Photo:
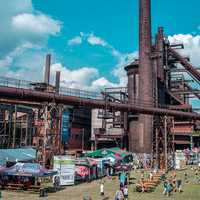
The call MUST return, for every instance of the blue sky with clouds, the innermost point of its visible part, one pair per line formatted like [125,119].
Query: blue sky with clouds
[90,40]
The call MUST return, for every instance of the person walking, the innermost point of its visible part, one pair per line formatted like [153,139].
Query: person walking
[179,185]
[165,187]
[102,189]
[122,179]
[151,176]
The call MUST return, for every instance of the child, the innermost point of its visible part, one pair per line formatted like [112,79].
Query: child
[125,193]
[102,189]
[169,188]
[151,176]
[179,185]
[165,187]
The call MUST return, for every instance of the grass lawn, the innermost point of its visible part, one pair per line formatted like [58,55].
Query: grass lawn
[191,191]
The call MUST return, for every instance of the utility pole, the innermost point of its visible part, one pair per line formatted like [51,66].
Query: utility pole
[165,142]
[83,134]
[14,128]
[21,132]
[27,128]
[45,134]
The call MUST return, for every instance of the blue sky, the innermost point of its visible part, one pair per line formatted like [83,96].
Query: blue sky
[90,40]
[115,21]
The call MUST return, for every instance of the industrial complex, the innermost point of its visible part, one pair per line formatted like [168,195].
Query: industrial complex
[151,115]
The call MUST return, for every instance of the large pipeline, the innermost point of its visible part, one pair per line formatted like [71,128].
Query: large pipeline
[42,97]
[185,64]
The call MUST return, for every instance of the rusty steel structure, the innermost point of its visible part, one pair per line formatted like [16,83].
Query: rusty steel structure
[38,96]
[141,142]
[47,69]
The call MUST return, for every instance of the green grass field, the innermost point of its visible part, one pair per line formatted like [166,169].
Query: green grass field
[191,191]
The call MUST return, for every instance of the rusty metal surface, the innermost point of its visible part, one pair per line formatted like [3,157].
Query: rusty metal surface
[133,81]
[57,83]
[47,69]
[36,96]
[145,126]
[185,64]
[160,53]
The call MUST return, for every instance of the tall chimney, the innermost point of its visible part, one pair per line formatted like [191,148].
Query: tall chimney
[145,122]
[57,84]
[47,69]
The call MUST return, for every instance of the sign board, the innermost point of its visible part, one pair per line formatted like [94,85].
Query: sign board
[65,166]
[65,127]
[179,159]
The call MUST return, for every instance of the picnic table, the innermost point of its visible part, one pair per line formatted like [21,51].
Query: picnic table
[20,186]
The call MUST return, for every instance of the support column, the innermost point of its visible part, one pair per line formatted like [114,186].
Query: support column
[27,127]
[165,143]
[45,134]
[14,128]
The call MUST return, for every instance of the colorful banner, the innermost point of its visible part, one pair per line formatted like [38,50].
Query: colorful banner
[66,169]
[65,128]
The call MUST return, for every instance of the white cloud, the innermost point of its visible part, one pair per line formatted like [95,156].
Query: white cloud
[77,78]
[85,78]
[90,38]
[21,23]
[5,61]
[94,40]
[35,24]
[17,52]
[75,41]
[191,44]
[23,42]
[102,83]
[122,59]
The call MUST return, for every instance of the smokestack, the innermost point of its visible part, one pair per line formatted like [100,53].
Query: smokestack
[47,69]
[145,123]
[57,84]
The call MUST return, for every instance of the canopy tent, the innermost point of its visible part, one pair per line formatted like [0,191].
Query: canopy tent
[113,158]
[20,155]
[89,162]
[116,152]
[27,169]
[120,152]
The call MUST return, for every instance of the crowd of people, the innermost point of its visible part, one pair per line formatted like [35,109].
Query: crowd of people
[122,192]
[173,184]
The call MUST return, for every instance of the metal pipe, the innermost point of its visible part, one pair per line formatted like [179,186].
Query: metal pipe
[37,96]
[47,69]
[14,128]
[165,143]
[57,84]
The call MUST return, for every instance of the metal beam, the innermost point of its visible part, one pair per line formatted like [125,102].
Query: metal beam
[37,96]
[192,70]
